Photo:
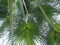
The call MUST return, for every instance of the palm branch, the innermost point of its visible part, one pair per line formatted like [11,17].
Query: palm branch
[29,28]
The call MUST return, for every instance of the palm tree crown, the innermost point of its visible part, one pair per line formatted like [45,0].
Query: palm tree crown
[30,22]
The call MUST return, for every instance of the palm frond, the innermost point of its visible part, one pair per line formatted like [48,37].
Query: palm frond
[31,21]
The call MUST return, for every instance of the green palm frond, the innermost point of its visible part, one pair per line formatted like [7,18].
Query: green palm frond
[32,14]
[45,14]
[57,38]
[3,9]
[4,14]
[40,16]
[50,37]
[27,31]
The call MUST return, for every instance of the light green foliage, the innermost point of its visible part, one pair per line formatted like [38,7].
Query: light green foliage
[57,27]
[35,12]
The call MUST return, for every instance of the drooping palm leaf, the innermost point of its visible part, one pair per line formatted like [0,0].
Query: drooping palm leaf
[57,38]
[45,14]
[29,32]
[50,37]
[48,16]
